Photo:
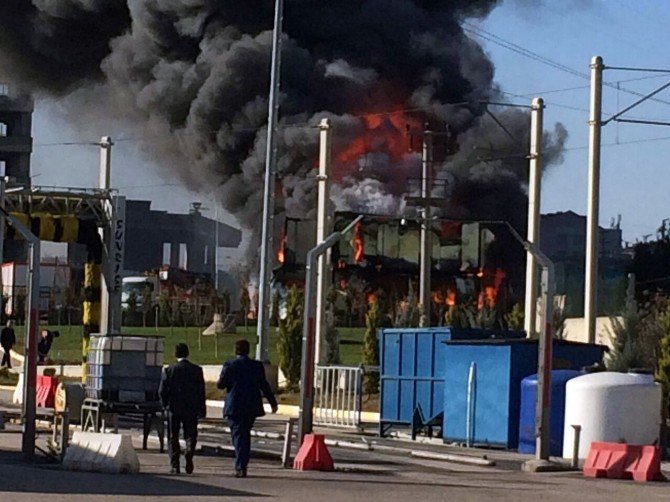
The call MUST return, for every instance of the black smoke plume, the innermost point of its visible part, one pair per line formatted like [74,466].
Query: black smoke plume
[192,76]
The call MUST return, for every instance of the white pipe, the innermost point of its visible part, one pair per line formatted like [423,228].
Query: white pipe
[470,405]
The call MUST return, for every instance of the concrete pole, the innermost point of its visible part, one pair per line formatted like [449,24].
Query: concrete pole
[426,234]
[30,361]
[267,254]
[104,181]
[3,184]
[545,359]
[591,268]
[534,191]
[322,230]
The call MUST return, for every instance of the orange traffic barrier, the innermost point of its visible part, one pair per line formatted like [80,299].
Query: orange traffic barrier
[623,461]
[313,455]
[45,394]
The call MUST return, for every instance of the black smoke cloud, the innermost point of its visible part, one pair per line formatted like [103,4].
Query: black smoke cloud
[192,76]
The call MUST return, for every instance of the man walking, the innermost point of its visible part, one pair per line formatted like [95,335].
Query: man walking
[182,393]
[245,383]
[7,340]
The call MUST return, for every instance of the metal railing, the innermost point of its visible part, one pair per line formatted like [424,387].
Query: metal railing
[338,396]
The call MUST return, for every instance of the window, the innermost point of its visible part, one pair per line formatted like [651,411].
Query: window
[183,256]
[167,253]
[4,90]
[3,129]
[206,260]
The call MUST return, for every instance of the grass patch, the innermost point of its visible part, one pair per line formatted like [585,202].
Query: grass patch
[66,349]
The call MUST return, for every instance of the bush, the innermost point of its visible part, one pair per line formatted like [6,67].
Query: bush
[289,344]
[371,348]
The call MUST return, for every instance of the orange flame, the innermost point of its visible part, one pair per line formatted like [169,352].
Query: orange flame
[451,298]
[489,293]
[371,298]
[358,244]
[384,132]
[281,252]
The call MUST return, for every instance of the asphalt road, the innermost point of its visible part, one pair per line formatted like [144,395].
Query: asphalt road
[361,475]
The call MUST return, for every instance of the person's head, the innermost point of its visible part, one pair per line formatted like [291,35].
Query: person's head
[241,348]
[181,350]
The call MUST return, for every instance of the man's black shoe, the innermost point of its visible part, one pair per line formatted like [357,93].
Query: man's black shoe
[174,470]
[240,473]
[189,465]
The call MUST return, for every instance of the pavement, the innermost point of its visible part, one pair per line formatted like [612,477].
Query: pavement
[385,473]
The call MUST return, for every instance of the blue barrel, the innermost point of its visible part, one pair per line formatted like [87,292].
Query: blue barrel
[559,378]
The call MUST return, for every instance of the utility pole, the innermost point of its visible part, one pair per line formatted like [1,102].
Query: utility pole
[534,192]
[267,258]
[322,230]
[426,227]
[591,268]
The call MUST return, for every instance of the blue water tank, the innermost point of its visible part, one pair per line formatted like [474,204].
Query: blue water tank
[559,378]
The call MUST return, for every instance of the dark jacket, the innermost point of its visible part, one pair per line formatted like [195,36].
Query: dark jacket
[245,383]
[182,389]
[7,337]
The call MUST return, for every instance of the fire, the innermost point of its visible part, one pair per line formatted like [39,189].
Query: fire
[371,298]
[384,132]
[281,252]
[488,294]
[450,300]
[341,264]
[358,243]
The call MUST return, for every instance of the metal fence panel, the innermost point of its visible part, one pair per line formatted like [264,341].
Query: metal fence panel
[338,395]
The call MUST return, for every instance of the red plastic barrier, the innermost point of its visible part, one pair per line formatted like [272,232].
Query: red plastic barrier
[623,461]
[313,455]
[45,393]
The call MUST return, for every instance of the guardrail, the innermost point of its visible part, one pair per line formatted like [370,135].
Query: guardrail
[338,396]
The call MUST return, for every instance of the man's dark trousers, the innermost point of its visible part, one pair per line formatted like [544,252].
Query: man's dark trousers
[190,426]
[6,358]
[240,431]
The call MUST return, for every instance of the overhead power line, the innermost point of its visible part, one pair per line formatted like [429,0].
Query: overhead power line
[495,39]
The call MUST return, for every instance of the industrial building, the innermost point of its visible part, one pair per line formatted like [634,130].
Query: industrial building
[16,142]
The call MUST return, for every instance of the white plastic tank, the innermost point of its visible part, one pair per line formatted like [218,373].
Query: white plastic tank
[612,407]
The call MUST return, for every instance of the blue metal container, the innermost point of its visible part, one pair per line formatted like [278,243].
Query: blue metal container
[557,411]
[501,365]
[412,366]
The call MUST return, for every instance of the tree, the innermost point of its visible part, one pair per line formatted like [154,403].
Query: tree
[663,363]
[634,337]
[147,304]
[131,309]
[371,347]
[289,343]
[164,316]
[515,317]
[274,311]
[331,334]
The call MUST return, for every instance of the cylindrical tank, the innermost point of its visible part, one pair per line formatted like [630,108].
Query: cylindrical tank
[612,407]
[559,378]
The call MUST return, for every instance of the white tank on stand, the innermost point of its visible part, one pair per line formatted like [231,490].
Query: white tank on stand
[612,407]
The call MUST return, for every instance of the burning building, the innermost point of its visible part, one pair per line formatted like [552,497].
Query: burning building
[190,79]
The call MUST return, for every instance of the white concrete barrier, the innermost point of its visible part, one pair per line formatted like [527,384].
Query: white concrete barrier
[98,452]
[17,397]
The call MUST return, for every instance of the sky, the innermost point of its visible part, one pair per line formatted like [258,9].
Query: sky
[540,49]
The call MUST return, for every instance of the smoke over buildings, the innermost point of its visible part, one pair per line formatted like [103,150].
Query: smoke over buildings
[191,77]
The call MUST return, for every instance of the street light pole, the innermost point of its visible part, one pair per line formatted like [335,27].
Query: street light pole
[264,288]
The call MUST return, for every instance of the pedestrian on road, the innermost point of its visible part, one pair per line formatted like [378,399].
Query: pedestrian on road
[182,393]
[245,384]
[7,340]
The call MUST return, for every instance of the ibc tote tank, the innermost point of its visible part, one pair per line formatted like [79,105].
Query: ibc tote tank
[612,407]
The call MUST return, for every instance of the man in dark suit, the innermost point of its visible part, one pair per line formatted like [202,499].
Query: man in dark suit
[7,340]
[182,393]
[245,383]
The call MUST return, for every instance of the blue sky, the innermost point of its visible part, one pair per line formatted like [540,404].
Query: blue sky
[568,32]
[626,33]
